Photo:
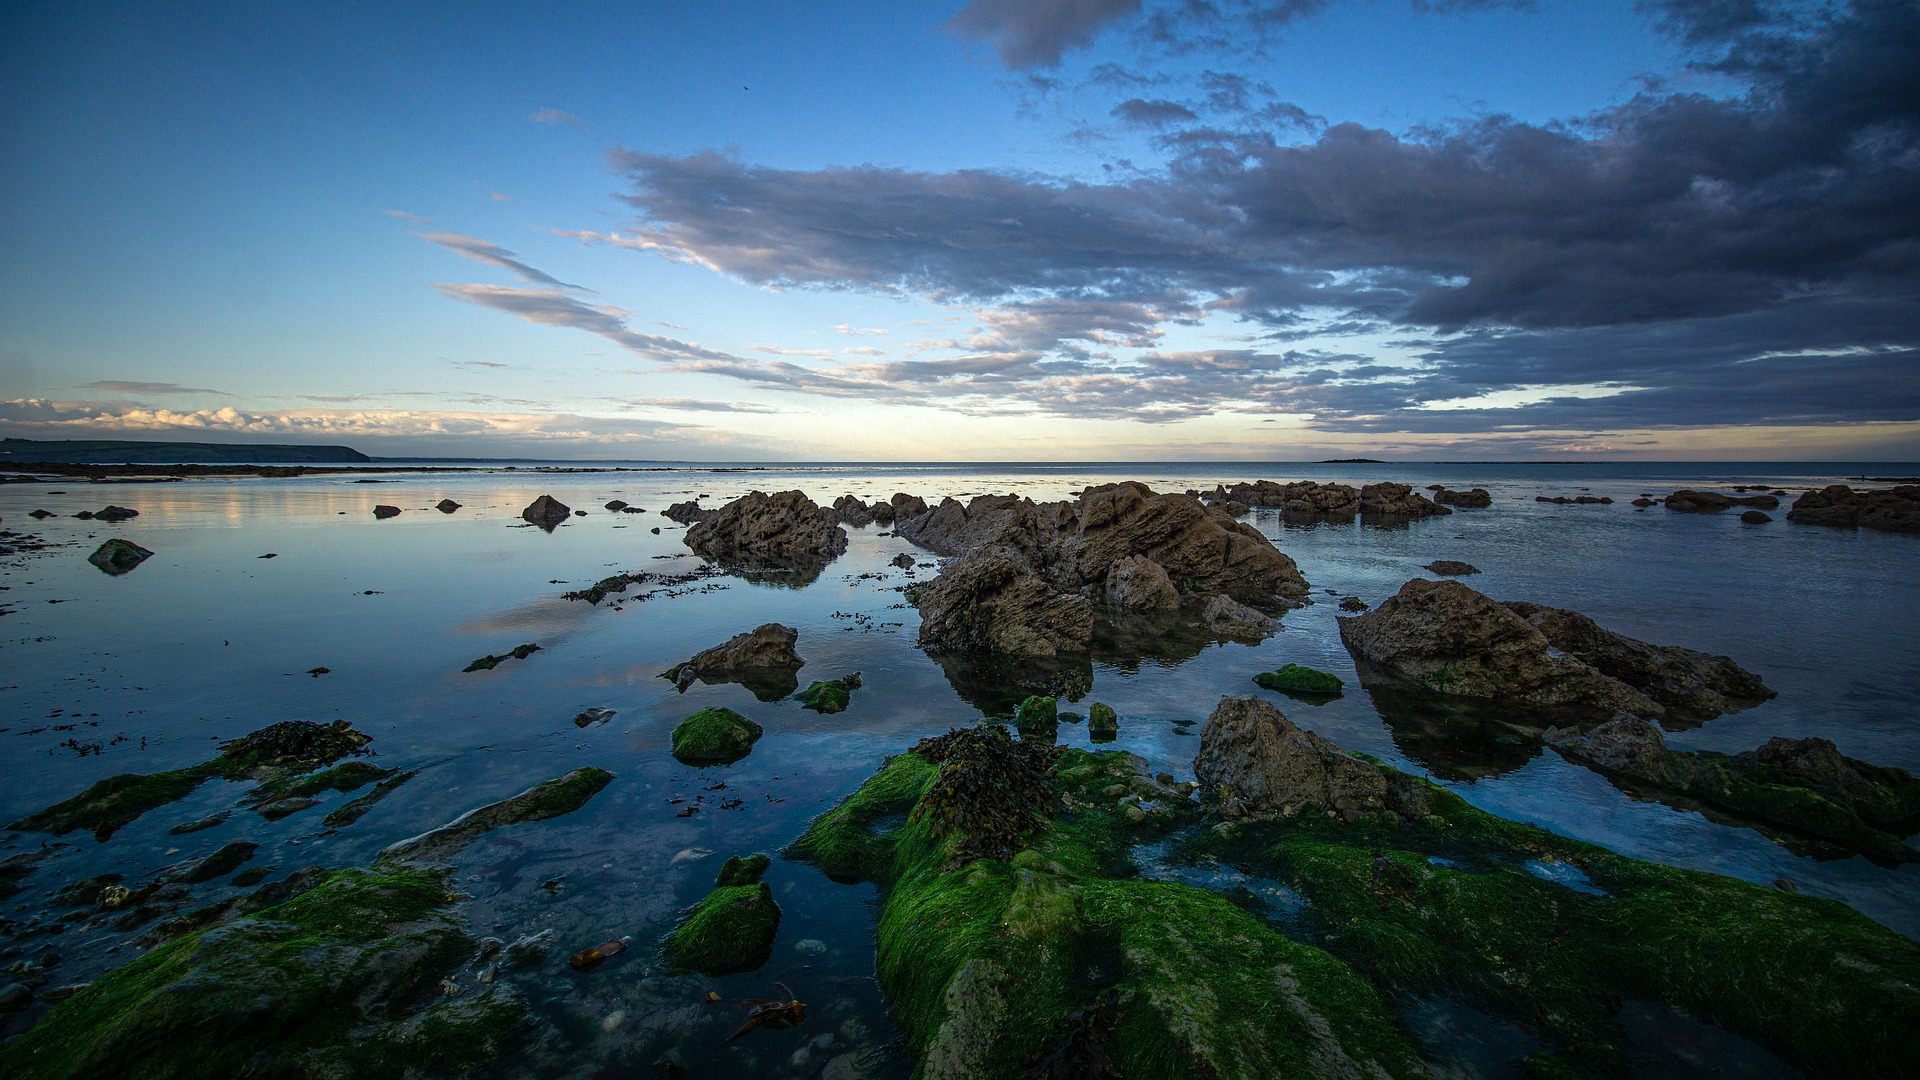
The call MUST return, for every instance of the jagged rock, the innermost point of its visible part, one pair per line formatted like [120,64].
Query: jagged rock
[115,514]
[1301,497]
[991,600]
[782,529]
[42,515]
[1138,583]
[1804,784]
[615,505]
[1352,603]
[1389,499]
[881,512]
[383,511]
[550,798]
[763,660]
[1453,640]
[687,513]
[1257,759]
[446,506]
[853,511]
[119,556]
[1756,517]
[546,512]
[1712,502]
[1474,498]
[1451,568]
[903,560]
[1230,618]
[1896,509]
[906,506]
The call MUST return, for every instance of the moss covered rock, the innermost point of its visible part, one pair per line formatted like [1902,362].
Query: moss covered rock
[1038,714]
[715,736]
[1297,679]
[830,696]
[731,930]
[1103,724]
[742,871]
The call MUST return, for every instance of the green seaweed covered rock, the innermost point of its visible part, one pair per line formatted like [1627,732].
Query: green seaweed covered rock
[1103,724]
[830,696]
[1038,714]
[731,930]
[715,736]
[1297,679]
[742,871]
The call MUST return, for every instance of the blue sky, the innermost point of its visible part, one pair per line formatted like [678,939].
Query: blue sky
[1071,229]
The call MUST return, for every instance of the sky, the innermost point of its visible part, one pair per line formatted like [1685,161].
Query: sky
[968,231]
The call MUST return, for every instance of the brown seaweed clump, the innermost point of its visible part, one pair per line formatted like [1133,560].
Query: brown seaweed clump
[995,792]
[292,743]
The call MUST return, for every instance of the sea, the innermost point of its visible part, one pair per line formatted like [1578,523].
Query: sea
[254,583]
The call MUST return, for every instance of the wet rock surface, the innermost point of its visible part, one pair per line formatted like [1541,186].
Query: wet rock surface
[1232,619]
[1895,509]
[763,660]
[546,512]
[993,600]
[716,736]
[758,529]
[1452,640]
[1260,762]
[118,556]
[1474,498]
[551,798]
[1451,568]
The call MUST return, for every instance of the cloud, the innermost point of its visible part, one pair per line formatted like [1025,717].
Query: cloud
[1135,112]
[852,331]
[558,117]
[1029,34]
[500,197]
[482,251]
[779,350]
[700,405]
[552,307]
[123,386]
[404,216]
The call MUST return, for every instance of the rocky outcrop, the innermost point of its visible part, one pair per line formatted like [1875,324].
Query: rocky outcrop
[1259,762]
[384,511]
[1712,502]
[1895,509]
[1137,583]
[1451,568]
[1756,517]
[758,529]
[1806,785]
[546,512]
[446,506]
[762,659]
[992,600]
[1475,498]
[550,798]
[115,514]
[853,511]
[686,513]
[1453,640]
[1387,499]
[1306,497]
[118,556]
[1230,618]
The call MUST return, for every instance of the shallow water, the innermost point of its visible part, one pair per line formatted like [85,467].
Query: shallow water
[206,641]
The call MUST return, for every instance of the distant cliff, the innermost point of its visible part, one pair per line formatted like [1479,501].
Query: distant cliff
[126,452]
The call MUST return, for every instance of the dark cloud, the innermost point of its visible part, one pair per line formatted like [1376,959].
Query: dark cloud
[123,386]
[1036,33]
[482,251]
[1159,113]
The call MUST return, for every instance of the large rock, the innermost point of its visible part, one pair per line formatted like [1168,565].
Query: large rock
[546,512]
[1896,509]
[1306,497]
[1387,499]
[1453,640]
[1230,618]
[1712,502]
[782,529]
[762,659]
[1474,498]
[1700,685]
[991,600]
[118,556]
[853,511]
[688,512]
[1261,762]
[1140,584]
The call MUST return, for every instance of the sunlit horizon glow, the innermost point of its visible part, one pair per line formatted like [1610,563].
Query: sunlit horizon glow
[1045,232]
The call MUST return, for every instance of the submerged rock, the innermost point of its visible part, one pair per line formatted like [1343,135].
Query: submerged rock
[446,506]
[1896,509]
[1803,784]
[830,696]
[763,660]
[757,529]
[550,798]
[1475,498]
[546,512]
[118,556]
[717,736]
[491,661]
[1295,678]
[1453,640]
[731,930]
[1451,568]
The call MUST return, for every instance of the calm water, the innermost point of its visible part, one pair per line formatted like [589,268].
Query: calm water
[206,641]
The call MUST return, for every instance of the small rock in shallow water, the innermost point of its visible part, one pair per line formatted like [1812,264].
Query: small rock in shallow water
[118,556]
[15,997]
[446,506]
[810,946]
[383,511]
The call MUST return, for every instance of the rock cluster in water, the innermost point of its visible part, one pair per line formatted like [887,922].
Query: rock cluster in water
[1308,497]
[763,660]
[1896,509]
[783,529]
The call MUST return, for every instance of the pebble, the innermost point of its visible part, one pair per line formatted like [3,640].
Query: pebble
[810,946]
[613,1019]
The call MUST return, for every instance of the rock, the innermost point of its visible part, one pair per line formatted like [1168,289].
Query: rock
[1297,679]
[1472,499]
[762,660]
[1352,603]
[906,506]
[1138,583]
[1700,685]
[903,560]
[1451,568]
[852,511]
[830,696]
[1232,619]
[1643,502]
[446,506]
[14,997]
[742,871]
[1712,502]
[118,556]
[615,505]
[590,717]
[1038,714]
[382,512]
[1387,499]
[881,512]
[219,864]
[114,514]
[716,736]
[546,512]
[491,661]
[1803,784]
[550,798]
[1252,755]
[991,600]
[732,929]
[686,513]
[1895,509]
[42,515]
[757,529]
[1756,517]
[1102,721]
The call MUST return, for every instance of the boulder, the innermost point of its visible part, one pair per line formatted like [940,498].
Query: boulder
[686,513]
[1472,499]
[715,736]
[1895,509]
[906,506]
[1756,517]
[546,512]
[852,511]
[1299,679]
[1388,499]
[383,511]
[1451,568]
[762,659]
[1260,762]
[446,506]
[615,505]
[1232,619]
[118,556]
[881,512]
[115,514]
[1138,583]
[1700,685]
[991,600]
[782,529]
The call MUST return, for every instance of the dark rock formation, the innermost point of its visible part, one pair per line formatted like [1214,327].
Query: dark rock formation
[1451,568]
[550,798]
[1230,618]
[715,736]
[615,505]
[1259,762]
[1803,784]
[686,513]
[1756,517]
[762,660]
[546,512]
[1453,640]
[492,660]
[384,511]
[1896,509]
[992,600]
[1475,498]
[853,511]
[446,506]
[114,514]
[118,556]
[1712,502]
[903,560]
[757,529]
[1140,584]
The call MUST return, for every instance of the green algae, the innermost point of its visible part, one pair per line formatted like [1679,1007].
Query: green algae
[717,736]
[490,661]
[731,929]
[845,843]
[742,871]
[1102,721]
[830,696]
[1038,714]
[1296,679]
[547,799]
[353,811]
